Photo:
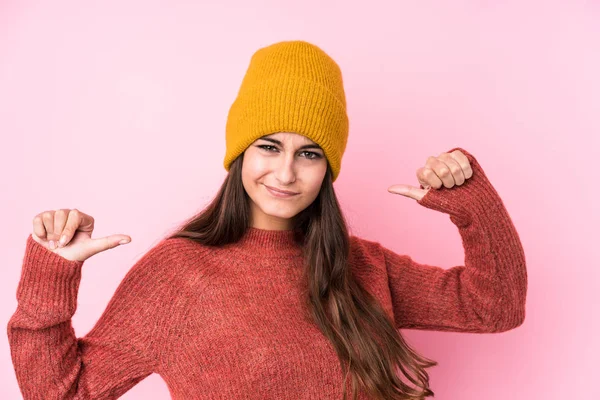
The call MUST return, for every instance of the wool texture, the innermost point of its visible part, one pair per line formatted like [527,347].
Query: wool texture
[232,322]
[291,86]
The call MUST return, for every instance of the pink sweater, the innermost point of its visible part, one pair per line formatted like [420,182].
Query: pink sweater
[230,323]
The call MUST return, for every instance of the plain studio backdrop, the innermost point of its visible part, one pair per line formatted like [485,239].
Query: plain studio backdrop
[118,108]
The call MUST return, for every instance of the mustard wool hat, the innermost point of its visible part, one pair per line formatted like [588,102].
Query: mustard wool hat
[290,86]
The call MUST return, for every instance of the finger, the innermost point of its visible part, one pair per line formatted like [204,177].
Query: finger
[455,169]
[441,169]
[48,220]
[428,178]
[86,222]
[464,163]
[60,219]
[408,191]
[108,242]
[71,225]
[38,227]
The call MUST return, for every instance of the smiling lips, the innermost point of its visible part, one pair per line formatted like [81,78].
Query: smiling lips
[280,193]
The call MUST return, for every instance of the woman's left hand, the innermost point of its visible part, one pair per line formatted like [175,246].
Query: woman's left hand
[447,169]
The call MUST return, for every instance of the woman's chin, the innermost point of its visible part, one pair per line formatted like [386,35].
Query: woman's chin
[280,214]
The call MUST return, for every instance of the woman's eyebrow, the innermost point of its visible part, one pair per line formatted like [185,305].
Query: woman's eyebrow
[307,146]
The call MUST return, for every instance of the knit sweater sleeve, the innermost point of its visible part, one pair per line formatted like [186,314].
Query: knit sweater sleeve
[487,294]
[122,348]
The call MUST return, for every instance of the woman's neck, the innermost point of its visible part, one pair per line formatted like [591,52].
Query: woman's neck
[267,242]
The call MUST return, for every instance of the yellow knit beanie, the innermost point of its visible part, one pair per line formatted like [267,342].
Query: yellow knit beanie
[290,86]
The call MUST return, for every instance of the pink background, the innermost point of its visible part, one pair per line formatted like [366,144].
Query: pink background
[118,108]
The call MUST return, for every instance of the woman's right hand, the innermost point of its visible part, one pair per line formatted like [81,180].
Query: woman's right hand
[68,233]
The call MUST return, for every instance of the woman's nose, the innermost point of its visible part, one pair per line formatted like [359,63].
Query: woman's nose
[286,170]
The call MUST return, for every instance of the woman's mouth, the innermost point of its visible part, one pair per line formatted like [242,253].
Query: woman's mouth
[276,193]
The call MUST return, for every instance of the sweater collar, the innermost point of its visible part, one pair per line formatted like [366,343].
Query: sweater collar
[267,243]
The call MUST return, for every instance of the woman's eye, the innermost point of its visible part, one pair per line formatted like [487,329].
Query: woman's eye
[264,146]
[312,155]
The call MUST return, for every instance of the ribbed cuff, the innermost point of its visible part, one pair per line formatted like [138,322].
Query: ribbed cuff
[49,283]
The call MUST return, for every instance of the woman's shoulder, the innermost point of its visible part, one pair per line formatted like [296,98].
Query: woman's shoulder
[363,248]
[363,244]
[182,247]
[170,250]
[367,261]
[176,257]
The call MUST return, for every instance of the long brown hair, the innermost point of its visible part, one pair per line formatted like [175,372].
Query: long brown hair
[361,332]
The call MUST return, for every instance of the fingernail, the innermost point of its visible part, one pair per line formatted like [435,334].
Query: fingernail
[52,246]
[124,241]
[63,239]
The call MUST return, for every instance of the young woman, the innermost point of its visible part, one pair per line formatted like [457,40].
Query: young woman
[265,294]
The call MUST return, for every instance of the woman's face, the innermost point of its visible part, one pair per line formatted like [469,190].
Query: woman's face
[285,161]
